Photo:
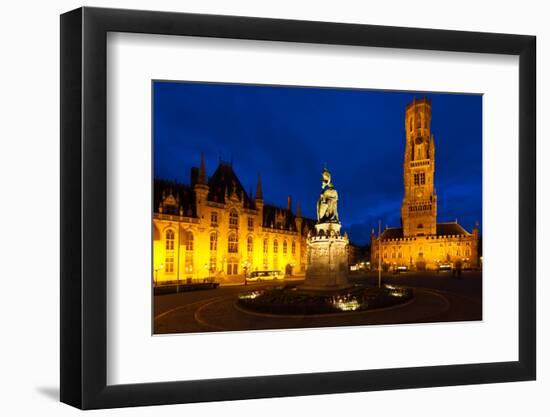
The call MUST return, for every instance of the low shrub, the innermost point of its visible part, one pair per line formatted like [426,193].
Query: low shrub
[296,301]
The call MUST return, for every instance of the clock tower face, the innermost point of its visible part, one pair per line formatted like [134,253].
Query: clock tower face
[419,140]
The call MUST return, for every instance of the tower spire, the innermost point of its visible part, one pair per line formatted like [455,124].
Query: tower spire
[202,171]
[259,193]
[298,210]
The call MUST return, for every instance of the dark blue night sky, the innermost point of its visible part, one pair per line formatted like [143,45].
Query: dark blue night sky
[287,134]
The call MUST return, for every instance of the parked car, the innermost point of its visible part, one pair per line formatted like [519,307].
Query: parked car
[401,269]
[445,267]
[265,276]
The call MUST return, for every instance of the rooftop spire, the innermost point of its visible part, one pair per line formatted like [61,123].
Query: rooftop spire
[259,194]
[298,210]
[202,172]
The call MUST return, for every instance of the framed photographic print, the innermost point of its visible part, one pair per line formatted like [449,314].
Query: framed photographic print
[258,208]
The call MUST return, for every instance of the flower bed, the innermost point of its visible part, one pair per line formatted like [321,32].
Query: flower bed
[296,301]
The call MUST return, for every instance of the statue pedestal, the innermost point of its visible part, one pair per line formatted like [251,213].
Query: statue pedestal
[327,259]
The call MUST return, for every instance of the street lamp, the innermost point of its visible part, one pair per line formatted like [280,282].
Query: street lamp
[245,265]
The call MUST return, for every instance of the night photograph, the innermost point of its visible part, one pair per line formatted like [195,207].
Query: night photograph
[278,207]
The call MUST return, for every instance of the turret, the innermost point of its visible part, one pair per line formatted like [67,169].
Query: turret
[298,220]
[259,193]
[259,201]
[201,189]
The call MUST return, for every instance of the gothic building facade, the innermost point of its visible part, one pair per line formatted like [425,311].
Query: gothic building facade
[421,242]
[213,229]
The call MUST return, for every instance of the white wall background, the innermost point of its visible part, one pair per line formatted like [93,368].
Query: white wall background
[29,172]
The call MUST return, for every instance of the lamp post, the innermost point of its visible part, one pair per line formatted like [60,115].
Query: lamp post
[210,268]
[245,265]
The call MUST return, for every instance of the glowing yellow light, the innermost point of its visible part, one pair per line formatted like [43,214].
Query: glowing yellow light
[350,305]
[249,295]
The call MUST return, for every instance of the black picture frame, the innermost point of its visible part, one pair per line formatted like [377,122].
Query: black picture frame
[84,207]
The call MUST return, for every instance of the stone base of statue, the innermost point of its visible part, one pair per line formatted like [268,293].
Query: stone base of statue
[326,289]
[327,259]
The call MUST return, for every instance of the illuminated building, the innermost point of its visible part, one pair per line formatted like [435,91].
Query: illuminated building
[213,229]
[421,242]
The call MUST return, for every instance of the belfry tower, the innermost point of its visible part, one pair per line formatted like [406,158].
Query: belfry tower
[419,208]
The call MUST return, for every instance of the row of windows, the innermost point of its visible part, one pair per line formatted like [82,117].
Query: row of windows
[419,163]
[232,246]
[420,208]
[187,240]
[441,245]
[399,254]
[232,267]
[276,247]
[169,263]
[233,220]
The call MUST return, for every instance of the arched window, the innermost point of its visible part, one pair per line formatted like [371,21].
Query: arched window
[293,248]
[188,241]
[232,243]
[249,244]
[275,246]
[169,239]
[233,219]
[411,124]
[284,247]
[213,241]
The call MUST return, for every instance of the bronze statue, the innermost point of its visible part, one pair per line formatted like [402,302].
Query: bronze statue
[327,205]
